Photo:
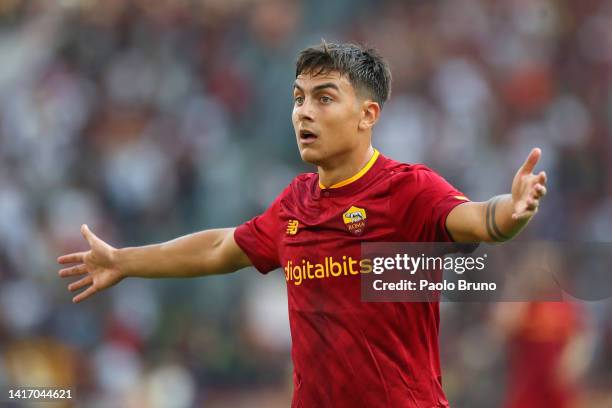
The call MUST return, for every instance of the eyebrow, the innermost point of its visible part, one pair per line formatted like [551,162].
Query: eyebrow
[319,87]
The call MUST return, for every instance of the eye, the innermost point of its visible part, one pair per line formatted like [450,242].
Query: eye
[298,100]
[326,99]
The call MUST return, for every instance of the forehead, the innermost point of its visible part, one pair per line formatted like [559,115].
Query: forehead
[309,82]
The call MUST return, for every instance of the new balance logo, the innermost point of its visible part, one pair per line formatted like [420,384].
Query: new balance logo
[292,227]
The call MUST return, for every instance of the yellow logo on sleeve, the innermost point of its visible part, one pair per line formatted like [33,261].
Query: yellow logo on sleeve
[355,220]
[292,227]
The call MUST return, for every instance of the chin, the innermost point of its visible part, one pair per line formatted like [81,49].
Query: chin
[310,156]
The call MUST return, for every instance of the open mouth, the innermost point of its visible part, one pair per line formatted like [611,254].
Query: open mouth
[306,136]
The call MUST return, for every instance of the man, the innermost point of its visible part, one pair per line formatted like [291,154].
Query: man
[346,353]
[549,348]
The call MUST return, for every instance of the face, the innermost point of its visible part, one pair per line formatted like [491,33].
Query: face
[327,117]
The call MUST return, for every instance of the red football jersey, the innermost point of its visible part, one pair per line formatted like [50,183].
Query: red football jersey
[536,352]
[349,353]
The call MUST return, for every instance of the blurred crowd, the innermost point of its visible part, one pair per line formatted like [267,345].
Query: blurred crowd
[148,120]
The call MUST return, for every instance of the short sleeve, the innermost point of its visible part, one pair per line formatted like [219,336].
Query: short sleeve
[423,199]
[258,238]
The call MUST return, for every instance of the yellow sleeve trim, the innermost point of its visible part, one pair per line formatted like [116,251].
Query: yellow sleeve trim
[357,176]
[464,198]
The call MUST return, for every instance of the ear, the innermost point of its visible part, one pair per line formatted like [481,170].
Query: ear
[370,112]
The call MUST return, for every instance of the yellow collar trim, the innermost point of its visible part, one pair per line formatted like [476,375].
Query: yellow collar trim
[357,176]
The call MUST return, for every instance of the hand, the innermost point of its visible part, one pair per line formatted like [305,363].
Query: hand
[98,265]
[528,188]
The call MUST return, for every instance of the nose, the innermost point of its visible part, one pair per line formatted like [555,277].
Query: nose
[304,111]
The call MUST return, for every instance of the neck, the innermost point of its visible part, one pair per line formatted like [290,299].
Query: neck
[344,167]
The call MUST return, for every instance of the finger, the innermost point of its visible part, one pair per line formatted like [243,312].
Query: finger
[84,295]
[87,234]
[532,160]
[535,194]
[542,178]
[540,190]
[532,204]
[525,215]
[80,283]
[73,271]
[71,258]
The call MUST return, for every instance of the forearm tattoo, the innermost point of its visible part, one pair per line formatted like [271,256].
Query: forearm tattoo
[492,227]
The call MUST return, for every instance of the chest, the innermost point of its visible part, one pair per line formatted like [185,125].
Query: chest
[336,224]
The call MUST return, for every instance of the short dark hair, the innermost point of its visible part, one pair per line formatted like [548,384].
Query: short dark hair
[366,69]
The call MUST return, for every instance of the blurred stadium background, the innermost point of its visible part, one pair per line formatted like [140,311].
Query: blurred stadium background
[149,120]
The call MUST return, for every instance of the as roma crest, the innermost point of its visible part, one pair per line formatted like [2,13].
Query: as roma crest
[355,220]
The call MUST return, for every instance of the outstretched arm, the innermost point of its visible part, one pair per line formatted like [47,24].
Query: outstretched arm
[502,217]
[202,253]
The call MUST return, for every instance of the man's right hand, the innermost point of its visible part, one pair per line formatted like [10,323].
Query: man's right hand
[98,265]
